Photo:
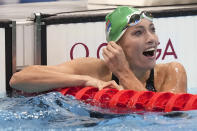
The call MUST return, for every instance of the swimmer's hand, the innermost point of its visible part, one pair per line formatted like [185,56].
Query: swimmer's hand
[115,58]
[102,84]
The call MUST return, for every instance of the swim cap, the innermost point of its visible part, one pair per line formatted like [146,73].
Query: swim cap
[117,21]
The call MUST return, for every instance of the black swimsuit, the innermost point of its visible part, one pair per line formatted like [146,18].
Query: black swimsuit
[149,83]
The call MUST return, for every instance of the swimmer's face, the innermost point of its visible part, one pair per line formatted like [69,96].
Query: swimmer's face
[139,43]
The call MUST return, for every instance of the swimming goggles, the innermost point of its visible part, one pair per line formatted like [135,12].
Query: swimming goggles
[135,18]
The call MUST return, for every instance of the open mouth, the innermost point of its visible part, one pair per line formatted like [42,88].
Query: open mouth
[150,52]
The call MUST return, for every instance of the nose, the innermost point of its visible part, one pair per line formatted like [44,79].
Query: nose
[151,38]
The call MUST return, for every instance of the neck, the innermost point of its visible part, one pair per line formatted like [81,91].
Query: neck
[142,75]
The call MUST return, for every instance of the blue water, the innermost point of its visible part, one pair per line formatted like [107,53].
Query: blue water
[52,112]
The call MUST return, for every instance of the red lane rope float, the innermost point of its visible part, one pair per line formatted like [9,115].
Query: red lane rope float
[86,94]
[191,104]
[158,102]
[177,102]
[70,90]
[139,100]
[119,101]
[124,101]
[103,97]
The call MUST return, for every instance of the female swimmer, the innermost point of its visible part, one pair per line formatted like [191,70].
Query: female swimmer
[129,62]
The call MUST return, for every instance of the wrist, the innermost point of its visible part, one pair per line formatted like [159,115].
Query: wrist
[85,80]
[129,81]
[124,73]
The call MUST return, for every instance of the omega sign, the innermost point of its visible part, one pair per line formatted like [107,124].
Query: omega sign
[160,53]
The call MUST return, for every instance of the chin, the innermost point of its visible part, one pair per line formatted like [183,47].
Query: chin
[149,66]
[143,65]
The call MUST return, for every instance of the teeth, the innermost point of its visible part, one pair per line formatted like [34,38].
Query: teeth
[149,52]
[151,49]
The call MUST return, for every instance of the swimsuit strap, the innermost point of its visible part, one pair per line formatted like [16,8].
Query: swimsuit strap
[149,83]
[115,78]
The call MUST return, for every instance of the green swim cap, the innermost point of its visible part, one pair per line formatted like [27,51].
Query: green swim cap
[117,21]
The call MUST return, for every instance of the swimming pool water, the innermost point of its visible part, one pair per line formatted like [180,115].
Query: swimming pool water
[52,112]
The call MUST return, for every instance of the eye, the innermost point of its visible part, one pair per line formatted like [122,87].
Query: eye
[138,33]
[153,29]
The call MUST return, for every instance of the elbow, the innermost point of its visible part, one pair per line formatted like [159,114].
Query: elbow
[17,82]
[20,77]
[14,81]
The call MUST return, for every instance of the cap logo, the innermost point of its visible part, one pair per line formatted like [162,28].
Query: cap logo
[108,26]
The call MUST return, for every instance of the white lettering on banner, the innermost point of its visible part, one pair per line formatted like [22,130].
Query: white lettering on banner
[166,53]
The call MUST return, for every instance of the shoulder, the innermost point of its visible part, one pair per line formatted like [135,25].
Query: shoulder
[170,67]
[171,77]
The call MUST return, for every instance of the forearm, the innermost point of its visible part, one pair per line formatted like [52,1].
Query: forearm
[129,81]
[39,81]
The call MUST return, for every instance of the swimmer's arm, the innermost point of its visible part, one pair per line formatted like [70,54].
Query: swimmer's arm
[129,81]
[175,80]
[75,73]
[40,78]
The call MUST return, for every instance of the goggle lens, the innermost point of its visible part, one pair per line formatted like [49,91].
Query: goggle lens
[134,19]
[148,14]
[137,17]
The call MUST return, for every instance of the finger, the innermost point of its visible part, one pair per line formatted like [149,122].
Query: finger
[119,87]
[114,45]
[105,85]
[111,45]
[111,49]
[106,53]
[111,84]
[105,58]
[108,85]
[115,51]
[112,42]
[110,52]
[114,83]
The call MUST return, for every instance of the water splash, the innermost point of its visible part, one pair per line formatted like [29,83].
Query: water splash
[53,111]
